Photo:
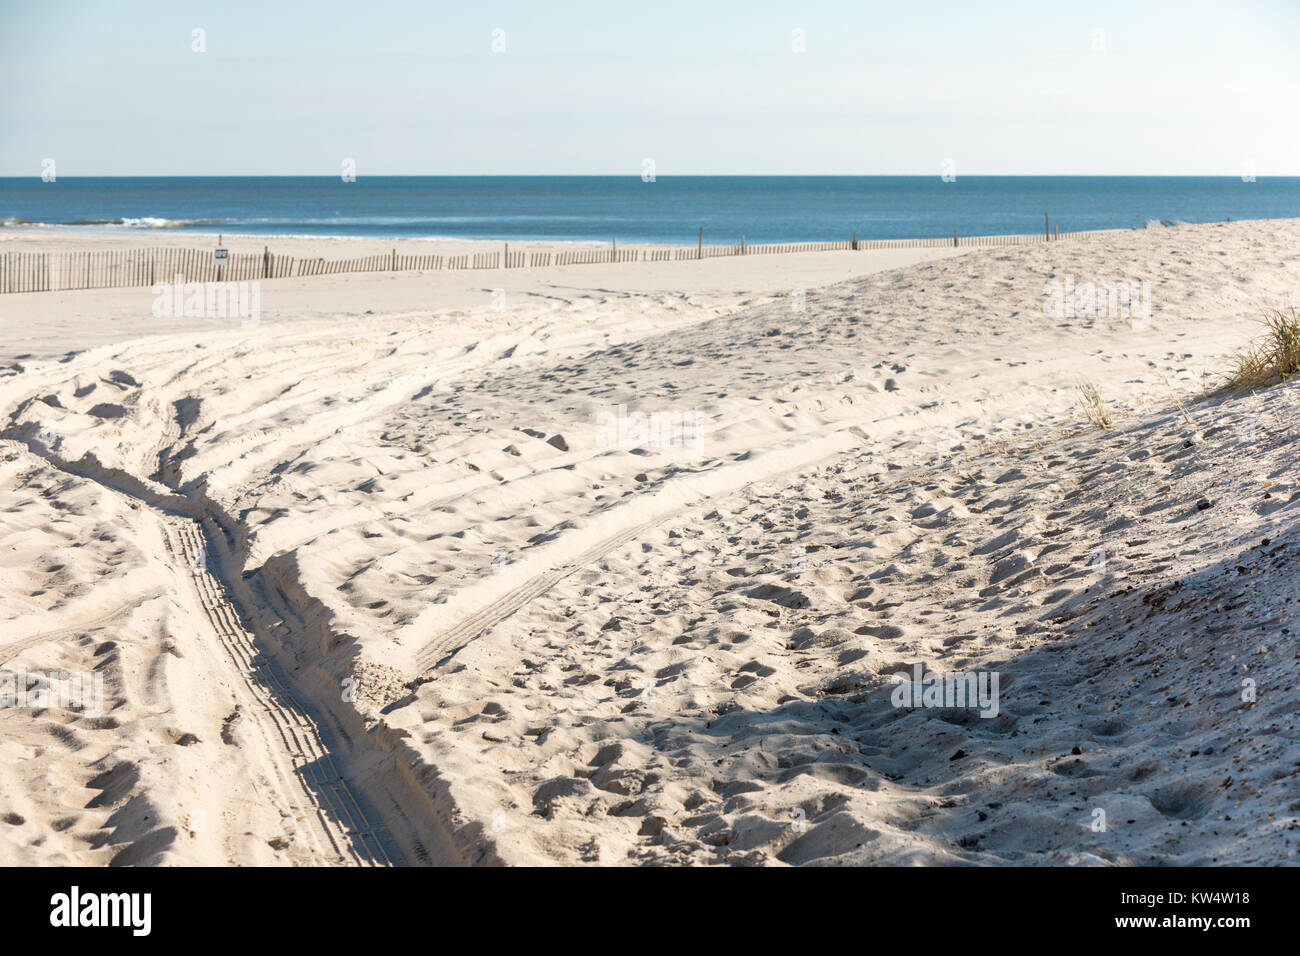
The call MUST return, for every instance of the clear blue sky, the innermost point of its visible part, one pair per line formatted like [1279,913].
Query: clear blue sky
[113,88]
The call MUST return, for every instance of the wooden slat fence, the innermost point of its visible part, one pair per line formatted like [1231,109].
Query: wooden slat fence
[58,271]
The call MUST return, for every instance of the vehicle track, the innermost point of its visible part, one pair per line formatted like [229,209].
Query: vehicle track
[11,649]
[451,641]
[445,645]
[342,824]
[312,791]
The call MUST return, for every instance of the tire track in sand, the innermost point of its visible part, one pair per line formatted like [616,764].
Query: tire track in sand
[320,799]
[676,496]
[311,791]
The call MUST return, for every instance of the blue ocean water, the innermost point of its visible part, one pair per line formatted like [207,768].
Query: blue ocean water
[765,209]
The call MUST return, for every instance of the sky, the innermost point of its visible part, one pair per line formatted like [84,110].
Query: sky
[549,88]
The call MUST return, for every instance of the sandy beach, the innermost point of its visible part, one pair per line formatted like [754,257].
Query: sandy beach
[632,563]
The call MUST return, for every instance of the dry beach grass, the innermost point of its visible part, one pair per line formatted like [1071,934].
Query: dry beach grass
[1274,356]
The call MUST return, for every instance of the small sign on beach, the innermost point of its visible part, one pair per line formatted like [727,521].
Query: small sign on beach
[221,255]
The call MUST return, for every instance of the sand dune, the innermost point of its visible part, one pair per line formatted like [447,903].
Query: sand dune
[625,573]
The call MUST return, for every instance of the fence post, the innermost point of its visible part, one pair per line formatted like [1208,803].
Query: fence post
[954,237]
[1047,228]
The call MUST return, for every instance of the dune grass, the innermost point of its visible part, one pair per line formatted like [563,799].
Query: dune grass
[1094,408]
[1272,357]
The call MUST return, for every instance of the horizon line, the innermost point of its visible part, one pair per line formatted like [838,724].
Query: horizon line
[957,178]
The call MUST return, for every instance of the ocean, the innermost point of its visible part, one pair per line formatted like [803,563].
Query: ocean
[765,209]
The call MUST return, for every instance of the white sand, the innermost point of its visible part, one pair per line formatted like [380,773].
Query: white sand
[490,634]
[50,324]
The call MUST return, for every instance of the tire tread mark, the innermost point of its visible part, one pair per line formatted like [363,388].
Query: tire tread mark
[329,800]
